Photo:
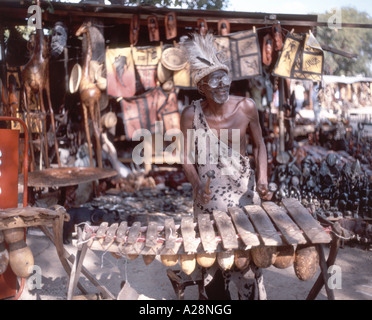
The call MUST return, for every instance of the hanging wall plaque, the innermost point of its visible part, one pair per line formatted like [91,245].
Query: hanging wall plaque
[242,53]
[302,58]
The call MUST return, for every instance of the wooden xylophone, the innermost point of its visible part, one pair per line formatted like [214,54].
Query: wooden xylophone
[263,233]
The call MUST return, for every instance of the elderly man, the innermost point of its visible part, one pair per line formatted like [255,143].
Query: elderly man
[225,120]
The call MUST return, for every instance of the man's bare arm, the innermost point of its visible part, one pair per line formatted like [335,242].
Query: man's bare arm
[187,118]
[259,150]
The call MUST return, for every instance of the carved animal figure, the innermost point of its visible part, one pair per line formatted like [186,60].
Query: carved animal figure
[11,107]
[35,77]
[90,97]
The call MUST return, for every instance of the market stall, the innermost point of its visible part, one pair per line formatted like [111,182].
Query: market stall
[95,79]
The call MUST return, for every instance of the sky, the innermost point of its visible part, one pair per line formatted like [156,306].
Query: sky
[298,6]
[291,6]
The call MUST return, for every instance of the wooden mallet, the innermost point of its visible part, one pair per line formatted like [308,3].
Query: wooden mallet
[210,174]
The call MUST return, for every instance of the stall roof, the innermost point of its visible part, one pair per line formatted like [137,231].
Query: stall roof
[15,12]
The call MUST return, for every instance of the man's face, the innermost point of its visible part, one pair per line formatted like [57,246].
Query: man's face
[216,86]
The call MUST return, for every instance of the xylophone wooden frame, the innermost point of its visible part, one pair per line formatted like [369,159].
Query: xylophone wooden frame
[229,242]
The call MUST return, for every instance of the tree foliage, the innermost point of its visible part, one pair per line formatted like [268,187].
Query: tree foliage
[352,40]
[186,4]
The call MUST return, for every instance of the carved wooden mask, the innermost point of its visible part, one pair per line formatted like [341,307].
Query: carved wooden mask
[134,29]
[170,25]
[153,26]
[267,50]
[223,27]
[277,35]
[202,26]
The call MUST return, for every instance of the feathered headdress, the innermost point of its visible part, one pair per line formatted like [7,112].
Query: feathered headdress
[202,56]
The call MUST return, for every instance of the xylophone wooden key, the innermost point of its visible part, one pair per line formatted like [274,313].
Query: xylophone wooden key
[121,232]
[226,230]
[206,232]
[244,227]
[170,236]
[151,236]
[263,256]
[132,247]
[208,241]
[290,231]
[311,228]
[101,233]
[110,236]
[149,252]
[169,254]
[190,245]
[228,237]
[247,235]
[266,230]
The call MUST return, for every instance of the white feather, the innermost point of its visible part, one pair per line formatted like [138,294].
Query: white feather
[201,47]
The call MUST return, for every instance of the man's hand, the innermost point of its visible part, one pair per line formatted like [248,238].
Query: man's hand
[263,191]
[200,195]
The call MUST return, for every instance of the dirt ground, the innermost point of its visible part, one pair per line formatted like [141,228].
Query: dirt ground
[151,282]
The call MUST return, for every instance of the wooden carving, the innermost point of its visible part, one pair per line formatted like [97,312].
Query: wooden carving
[11,101]
[134,29]
[90,96]
[267,50]
[35,77]
[223,27]
[153,26]
[278,37]
[170,25]
[202,26]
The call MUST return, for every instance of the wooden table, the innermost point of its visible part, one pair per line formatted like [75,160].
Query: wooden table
[68,176]
[67,179]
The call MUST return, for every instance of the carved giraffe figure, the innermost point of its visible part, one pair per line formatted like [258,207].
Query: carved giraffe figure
[35,77]
[90,96]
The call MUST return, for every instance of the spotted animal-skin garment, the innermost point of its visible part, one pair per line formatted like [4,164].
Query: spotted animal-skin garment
[233,185]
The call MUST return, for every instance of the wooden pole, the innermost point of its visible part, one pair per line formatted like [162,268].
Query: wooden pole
[3,73]
[281,116]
